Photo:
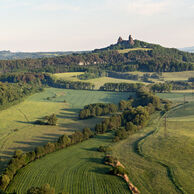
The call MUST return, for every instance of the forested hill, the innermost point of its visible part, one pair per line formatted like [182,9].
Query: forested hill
[125,55]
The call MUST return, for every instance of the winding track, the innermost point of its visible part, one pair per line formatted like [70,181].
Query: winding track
[138,148]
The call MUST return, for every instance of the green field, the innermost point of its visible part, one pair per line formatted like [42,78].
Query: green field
[133,49]
[77,169]
[158,160]
[98,82]
[17,130]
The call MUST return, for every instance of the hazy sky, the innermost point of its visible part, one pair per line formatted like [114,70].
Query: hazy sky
[53,25]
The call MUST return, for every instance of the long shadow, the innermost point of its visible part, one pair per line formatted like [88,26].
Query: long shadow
[94,149]
[64,115]
[25,122]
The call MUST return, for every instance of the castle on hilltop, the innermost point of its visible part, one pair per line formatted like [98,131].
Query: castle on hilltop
[130,40]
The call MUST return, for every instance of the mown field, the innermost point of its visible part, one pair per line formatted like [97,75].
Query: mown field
[17,130]
[98,82]
[133,49]
[159,160]
[77,169]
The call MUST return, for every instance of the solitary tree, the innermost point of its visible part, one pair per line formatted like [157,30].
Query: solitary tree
[52,120]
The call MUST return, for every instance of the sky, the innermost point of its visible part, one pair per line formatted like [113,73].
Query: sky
[72,25]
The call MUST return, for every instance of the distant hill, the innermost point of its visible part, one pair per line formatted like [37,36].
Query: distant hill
[8,55]
[123,56]
[188,49]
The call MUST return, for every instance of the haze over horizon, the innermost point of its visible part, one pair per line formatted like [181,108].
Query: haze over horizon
[64,25]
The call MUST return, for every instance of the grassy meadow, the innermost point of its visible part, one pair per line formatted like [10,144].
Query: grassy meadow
[98,82]
[17,130]
[77,169]
[160,160]
[123,51]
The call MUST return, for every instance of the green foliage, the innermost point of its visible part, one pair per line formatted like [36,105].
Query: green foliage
[110,159]
[98,109]
[118,170]
[87,133]
[4,181]
[52,119]
[13,93]
[161,87]
[131,127]
[45,79]
[91,74]
[64,141]
[105,149]
[45,189]
[121,87]
[125,104]
[180,85]
[120,134]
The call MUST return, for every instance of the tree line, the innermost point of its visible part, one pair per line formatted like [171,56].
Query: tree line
[121,87]
[171,85]
[21,159]
[98,109]
[45,79]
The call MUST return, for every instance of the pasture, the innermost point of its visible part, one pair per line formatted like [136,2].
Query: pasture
[133,49]
[98,82]
[77,169]
[17,130]
[160,160]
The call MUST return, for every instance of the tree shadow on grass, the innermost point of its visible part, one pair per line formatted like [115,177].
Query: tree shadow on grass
[94,149]
[26,122]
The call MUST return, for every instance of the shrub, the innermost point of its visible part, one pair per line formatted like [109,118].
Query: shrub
[87,133]
[4,181]
[106,149]
[52,120]
[118,170]
[45,189]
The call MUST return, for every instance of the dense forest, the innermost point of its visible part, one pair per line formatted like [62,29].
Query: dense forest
[157,59]
[45,79]
[12,93]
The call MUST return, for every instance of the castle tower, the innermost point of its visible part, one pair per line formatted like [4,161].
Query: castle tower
[131,41]
[120,40]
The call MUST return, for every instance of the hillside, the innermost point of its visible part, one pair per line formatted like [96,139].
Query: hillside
[125,55]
